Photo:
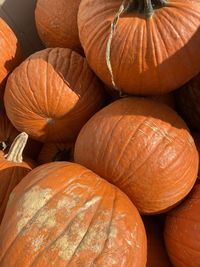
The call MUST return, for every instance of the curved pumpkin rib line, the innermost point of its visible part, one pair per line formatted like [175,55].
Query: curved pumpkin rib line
[35,215]
[185,219]
[90,224]
[63,232]
[180,243]
[173,255]
[109,226]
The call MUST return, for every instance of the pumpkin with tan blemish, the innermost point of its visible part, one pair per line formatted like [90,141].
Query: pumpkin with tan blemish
[142,147]
[63,214]
[52,94]
[56,152]
[13,168]
[10,53]
[56,23]
[182,228]
[141,47]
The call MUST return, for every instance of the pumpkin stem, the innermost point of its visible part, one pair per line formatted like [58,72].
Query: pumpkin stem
[145,7]
[16,150]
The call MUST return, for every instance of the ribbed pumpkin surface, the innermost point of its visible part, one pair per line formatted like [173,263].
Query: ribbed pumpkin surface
[144,148]
[139,54]
[182,232]
[52,94]
[56,23]
[62,214]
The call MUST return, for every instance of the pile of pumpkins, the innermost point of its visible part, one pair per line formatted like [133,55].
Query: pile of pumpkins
[99,135]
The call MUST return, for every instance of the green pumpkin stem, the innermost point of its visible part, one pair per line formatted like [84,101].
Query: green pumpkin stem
[16,150]
[145,7]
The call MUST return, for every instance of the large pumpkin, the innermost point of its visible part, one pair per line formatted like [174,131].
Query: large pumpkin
[141,47]
[52,94]
[56,23]
[12,169]
[188,102]
[10,53]
[63,214]
[156,251]
[144,148]
[56,152]
[182,232]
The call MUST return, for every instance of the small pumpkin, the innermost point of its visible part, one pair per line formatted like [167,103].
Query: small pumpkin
[142,147]
[51,152]
[188,102]
[156,251]
[56,23]
[10,53]
[141,47]
[52,94]
[182,230]
[13,169]
[63,214]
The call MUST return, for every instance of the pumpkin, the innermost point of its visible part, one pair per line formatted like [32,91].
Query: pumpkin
[12,169]
[56,152]
[52,94]
[188,102]
[167,99]
[142,147]
[56,23]
[196,137]
[63,214]
[182,230]
[10,53]
[7,131]
[141,47]
[156,251]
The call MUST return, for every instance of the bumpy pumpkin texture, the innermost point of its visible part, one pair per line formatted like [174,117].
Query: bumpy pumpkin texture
[62,214]
[10,53]
[182,230]
[156,251]
[13,168]
[56,23]
[141,47]
[144,148]
[52,94]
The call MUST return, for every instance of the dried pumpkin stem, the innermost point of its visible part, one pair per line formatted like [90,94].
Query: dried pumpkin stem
[16,150]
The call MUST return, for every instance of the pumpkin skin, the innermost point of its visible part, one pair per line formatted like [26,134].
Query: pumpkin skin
[10,53]
[12,170]
[56,23]
[182,228]
[63,214]
[196,137]
[35,88]
[161,59]
[188,102]
[56,152]
[142,147]
[156,251]
[167,99]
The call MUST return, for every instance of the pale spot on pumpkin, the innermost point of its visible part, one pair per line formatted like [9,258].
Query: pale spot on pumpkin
[69,241]
[50,120]
[47,218]
[37,243]
[32,201]
[68,203]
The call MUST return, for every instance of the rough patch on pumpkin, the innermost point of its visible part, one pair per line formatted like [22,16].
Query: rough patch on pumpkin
[32,201]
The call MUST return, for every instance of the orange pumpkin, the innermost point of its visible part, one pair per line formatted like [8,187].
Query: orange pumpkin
[52,94]
[196,137]
[182,232]
[141,47]
[10,53]
[144,148]
[188,102]
[63,214]
[12,169]
[56,152]
[56,23]
[156,251]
